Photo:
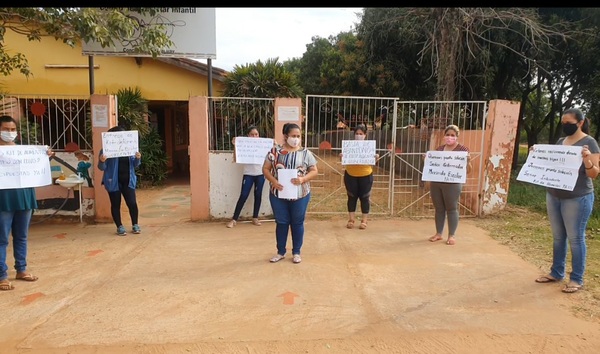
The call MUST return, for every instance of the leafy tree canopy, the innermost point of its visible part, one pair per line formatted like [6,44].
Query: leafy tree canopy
[73,24]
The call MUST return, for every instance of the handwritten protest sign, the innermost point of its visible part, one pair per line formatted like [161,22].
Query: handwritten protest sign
[23,166]
[358,152]
[117,144]
[555,166]
[445,166]
[252,150]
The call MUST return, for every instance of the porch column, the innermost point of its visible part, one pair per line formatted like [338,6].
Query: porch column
[199,159]
[104,117]
[287,110]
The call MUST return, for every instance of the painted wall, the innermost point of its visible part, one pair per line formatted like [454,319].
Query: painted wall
[110,75]
[225,187]
[500,135]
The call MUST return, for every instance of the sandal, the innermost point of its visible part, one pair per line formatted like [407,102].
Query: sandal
[363,225]
[572,288]
[276,258]
[297,258]
[256,222]
[5,285]
[350,224]
[231,224]
[26,277]
[546,279]
[451,240]
[435,238]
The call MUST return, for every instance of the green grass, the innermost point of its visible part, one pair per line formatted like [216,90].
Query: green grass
[523,226]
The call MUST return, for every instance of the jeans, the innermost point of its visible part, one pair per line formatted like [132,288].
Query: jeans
[247,183]
[289,214]
[18,222]
[568,220]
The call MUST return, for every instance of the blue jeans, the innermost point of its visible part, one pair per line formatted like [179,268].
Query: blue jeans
[18,222]
[568,220]
[289,214]
[247,182]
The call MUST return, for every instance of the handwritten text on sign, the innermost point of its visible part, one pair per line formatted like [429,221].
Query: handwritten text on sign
[252,150]
[445,166]
[117,144]
[23,166]
[358,152]
[555,166]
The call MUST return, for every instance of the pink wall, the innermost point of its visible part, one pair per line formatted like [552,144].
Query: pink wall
[500,135]
[199,159]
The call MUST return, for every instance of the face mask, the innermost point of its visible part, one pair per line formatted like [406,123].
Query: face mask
[569,128]
[359,137]
[9,137]
[450,140]
[293,142]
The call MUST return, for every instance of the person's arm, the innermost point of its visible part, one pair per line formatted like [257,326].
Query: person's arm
[101,161]
[312,173]
[269,176]
[590,162]
[137,159]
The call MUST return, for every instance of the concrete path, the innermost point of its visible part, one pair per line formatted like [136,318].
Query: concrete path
[183,287]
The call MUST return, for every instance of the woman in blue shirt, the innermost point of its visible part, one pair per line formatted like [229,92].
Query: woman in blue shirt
[120,179]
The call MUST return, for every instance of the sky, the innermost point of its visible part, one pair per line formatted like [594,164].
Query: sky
[246,35]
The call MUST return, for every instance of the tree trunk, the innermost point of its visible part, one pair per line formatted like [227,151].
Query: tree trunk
[448,61]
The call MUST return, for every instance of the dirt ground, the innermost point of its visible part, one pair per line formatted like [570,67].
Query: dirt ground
[183,287]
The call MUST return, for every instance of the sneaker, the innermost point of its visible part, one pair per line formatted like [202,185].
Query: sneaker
[121,231]
[297,258]
[231,223]
[137,229]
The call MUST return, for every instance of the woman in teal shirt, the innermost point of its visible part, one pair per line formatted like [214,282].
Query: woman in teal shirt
[16,207]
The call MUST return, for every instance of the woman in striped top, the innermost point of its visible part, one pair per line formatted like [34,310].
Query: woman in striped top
[290,213]
[445,195]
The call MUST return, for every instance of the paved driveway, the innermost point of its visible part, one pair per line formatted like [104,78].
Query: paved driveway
[183,287]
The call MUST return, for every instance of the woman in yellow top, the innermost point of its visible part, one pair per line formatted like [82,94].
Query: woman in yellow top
[358,180]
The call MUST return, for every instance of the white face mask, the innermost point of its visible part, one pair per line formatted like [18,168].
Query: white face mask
[293,142]
[9,137]
[359,137]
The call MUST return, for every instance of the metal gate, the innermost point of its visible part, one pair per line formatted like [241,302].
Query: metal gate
[403,131]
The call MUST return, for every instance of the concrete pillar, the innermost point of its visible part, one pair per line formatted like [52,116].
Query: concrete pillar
[500,135]
[199,159]
[285,112]
[104,117]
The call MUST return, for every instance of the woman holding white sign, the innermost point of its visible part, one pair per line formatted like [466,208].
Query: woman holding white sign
[289,198]
[253,176]
[358,180]
[16,208]
[119,179]
[445,195]
[569,211]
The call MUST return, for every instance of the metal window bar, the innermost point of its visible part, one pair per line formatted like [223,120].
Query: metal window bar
[232,116]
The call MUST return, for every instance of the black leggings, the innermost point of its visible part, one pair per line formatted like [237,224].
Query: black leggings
[115,204]
[358,188]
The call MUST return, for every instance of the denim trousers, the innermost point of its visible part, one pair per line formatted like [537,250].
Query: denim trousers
[568,220]
[247,183]
[289,214]
[18,222]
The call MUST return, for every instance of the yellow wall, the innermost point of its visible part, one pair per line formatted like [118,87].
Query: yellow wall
[157,80]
